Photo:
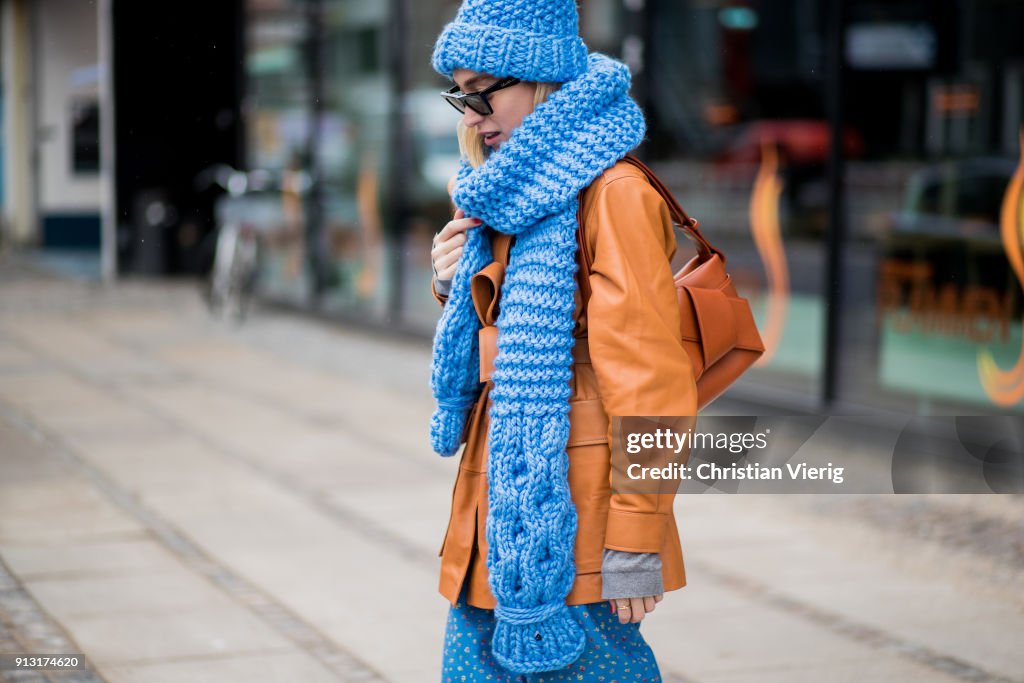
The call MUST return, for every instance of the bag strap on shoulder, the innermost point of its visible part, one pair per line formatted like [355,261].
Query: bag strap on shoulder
[582,255]
[502,242]
[690,225]
[679,217]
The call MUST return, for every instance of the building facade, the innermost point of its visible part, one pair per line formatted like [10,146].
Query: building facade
[50,192]
[111,111]
[885,270]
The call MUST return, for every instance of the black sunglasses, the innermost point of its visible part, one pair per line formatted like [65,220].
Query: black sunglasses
[477,101]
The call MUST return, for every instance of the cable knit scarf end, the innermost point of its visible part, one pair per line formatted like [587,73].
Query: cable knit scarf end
[529,188]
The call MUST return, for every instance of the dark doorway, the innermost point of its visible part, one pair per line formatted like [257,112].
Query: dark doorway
[178,79]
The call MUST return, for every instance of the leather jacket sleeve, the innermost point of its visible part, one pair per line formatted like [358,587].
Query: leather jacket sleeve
[633,328]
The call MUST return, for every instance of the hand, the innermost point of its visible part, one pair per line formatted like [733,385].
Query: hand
[448,244]
[634,609]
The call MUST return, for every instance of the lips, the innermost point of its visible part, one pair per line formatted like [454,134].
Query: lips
[490,137]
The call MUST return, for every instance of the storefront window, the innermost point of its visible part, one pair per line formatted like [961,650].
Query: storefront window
[354,146]
[735,104]
[933,313]
[277,111]
[432,160]
[343,110]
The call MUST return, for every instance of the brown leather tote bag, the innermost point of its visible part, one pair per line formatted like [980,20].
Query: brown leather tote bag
[716,325]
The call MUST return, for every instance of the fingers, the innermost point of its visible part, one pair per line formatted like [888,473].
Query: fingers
[444,245]
[629,610]
[624,610]
[447,245]
[638,610]
[633,610]
[446,254]
[447,264]
[456,226]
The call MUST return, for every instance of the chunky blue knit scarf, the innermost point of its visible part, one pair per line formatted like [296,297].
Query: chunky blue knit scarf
[529,188]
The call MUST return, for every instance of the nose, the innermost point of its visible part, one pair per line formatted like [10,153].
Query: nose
[471,118]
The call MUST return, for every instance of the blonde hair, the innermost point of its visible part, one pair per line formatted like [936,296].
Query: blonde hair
[471,143]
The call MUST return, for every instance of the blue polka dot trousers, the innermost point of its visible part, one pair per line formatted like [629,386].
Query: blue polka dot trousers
[614,653]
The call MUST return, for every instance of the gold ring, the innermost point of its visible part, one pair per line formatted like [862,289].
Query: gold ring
[624,605]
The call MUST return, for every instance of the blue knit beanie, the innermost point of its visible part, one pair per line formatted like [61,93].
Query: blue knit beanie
[534,40]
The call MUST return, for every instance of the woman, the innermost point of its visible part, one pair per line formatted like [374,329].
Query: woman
[528,378]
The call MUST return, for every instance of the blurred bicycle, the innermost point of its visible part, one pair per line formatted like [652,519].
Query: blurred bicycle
[241,217]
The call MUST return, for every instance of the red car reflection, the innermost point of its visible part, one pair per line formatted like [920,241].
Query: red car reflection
[800,141]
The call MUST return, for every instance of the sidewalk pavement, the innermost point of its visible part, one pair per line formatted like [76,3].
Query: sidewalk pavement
[183,500]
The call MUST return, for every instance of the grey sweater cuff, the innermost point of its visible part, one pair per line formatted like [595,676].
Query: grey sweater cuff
[630,575]
[442,287]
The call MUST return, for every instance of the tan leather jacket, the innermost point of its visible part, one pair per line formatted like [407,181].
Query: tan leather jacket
[628,360]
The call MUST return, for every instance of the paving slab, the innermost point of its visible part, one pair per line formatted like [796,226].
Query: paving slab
[874,669]
[757,636]
[170,589]
[196,501]
[280,667]
[102,558]
[124,638]
[59,512]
